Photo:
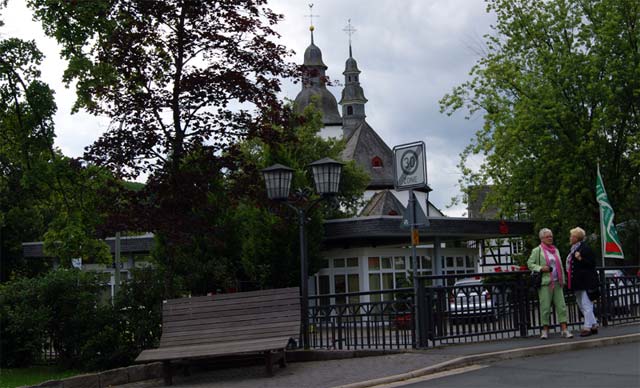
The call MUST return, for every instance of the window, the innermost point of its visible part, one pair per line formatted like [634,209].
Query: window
[349,110]
[323,289]
[338,263]
[376,162]
[352,261]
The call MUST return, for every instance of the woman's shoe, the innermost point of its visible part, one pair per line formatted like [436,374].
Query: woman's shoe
[566,334]
[585,333]
[544,334]
[594,330]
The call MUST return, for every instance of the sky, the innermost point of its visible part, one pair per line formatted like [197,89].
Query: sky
[411,53]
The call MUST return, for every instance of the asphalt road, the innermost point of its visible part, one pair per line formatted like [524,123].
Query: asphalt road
[610,366]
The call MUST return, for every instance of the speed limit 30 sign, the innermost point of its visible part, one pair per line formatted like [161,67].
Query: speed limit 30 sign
[410,166]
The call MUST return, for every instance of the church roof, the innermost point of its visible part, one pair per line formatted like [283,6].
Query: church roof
[314,84]
[313,56]
[328,104]
[363,146]
[383,203]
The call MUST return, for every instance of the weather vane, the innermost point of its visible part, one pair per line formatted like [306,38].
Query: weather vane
[349,30]
[310,16]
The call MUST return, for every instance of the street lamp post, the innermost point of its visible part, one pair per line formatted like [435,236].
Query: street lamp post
[326,176]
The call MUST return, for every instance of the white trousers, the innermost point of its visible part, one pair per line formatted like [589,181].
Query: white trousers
[586,307]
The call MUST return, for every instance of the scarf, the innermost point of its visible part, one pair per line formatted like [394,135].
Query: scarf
[551,250]
[574,248]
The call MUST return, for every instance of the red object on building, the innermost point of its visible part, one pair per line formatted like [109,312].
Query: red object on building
[504,228]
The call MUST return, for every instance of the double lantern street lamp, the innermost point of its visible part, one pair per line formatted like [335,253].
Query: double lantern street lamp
[326,176]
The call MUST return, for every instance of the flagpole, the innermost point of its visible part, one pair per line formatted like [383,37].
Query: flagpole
[602,236]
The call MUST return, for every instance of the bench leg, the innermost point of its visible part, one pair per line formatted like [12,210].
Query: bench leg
[283,359]
[166,371]
[268,359]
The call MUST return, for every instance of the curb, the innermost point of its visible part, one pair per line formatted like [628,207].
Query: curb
[497,356]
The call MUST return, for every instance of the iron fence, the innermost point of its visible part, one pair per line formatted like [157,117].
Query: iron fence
[458,308]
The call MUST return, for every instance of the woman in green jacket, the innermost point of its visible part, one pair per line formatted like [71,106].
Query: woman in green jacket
[545,258]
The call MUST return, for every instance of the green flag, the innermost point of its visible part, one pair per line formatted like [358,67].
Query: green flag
[611,246]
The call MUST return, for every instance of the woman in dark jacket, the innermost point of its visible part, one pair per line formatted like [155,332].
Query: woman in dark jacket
[582,276]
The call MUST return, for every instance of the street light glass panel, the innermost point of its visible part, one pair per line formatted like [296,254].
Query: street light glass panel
[326,175]
[278,181]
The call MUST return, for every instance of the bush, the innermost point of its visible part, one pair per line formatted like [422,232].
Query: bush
[23,322]
[139,306]
[64,307]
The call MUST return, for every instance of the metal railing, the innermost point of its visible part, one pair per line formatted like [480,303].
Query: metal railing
[458,308]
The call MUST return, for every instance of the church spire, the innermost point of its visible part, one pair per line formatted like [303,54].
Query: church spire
[314,83]
[353,98]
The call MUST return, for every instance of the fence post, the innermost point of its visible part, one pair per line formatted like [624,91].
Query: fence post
[419,339]
[522,305]
[429,319]
[604,299]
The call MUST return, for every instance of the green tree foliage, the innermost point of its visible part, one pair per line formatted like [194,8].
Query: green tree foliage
[269,243]
[40,189]
[181,80]
[559,90]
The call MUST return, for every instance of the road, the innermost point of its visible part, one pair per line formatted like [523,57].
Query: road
[610,366]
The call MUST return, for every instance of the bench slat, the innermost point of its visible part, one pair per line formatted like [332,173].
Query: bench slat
[197,351]
[212,306]
[222,320]
[205,328]
[180,341]
[269,294]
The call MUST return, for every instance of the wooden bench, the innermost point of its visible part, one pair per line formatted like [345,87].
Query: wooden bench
[227,324]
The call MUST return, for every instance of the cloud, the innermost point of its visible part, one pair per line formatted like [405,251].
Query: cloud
[410,52]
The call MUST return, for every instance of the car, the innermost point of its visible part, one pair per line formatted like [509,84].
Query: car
[621,291]
[471,299]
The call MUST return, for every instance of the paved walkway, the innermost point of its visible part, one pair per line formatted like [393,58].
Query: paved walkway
[369,370]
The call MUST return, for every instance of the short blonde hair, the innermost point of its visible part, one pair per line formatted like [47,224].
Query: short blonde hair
[578,232]
[543,231]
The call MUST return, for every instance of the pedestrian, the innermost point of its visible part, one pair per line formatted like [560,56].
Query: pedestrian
[582,277]
[545,258]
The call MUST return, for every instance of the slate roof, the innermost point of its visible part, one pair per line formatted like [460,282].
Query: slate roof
[383,203]
[328,105]
[385,230]
[362,146]
[129,244]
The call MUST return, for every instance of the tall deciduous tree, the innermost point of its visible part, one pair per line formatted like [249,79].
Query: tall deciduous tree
[559,91]
[181,80]
[42,193]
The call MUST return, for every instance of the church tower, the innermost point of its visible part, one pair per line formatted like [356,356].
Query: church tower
[314,83]
[353,98]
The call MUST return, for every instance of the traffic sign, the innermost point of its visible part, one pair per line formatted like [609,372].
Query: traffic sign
[410,166]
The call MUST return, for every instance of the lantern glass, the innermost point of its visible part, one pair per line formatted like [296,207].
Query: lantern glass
[326,175]
[278,181]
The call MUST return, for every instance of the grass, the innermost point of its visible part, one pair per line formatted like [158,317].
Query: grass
[11,378]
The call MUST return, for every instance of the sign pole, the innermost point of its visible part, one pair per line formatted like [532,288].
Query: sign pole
[409,173]
[415,240]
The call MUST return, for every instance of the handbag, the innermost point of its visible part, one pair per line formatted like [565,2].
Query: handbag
[593,294]
[536,279]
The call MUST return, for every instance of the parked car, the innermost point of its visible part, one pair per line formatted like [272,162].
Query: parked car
[470,298]
[623,292]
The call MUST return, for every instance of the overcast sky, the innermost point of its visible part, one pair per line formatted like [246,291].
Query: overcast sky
[410,52]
